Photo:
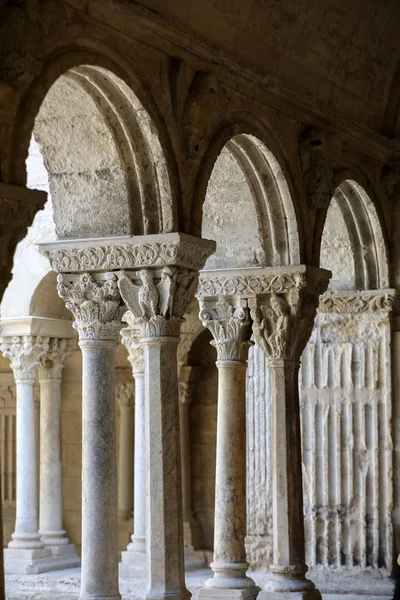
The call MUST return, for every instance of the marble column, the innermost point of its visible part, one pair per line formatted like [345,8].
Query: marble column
[134,558]
[125,399]
[282,324]
[187,378]
[51,501]
[230,325]
[95,303]
[158,301]
[26,552]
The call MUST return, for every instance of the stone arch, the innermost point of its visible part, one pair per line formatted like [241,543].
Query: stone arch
[45,301]
[352,228]
[245,160]
[135,167]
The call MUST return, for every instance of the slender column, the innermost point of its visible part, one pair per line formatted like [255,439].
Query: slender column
[230,325]
[187,377]
[134,559]
[51,501]
[95,303]
[282,325]
[125,399]
[158,304]
[26,552]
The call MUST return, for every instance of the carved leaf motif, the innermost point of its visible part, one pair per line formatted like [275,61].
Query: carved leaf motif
[24,353]
[52,363]
[96,305]
[361,302]
[230,328]
[249,285]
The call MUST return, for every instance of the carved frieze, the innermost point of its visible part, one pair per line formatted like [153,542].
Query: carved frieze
[357,302]
[107,257]
[95,304]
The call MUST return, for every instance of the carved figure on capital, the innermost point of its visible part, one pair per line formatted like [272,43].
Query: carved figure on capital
[131,340]
[158,306]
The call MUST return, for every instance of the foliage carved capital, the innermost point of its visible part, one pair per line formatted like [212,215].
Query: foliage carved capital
[25,354]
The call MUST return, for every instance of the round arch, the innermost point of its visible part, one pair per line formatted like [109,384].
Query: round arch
[275,215]
[137,137]
[360,240]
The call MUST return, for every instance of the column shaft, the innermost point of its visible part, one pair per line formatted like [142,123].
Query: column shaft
[125,461]
[26,525]
[165,558]
[99,472]
[139,521]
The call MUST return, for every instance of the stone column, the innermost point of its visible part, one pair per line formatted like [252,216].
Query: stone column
[125,399]
[51,502]
[26,552]
[96,306]
[230,325]
[282,324]
[134,558]
[157,285]
[187,377]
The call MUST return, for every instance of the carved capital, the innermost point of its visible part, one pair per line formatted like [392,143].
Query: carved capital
[282,323]
[95,304]
[52,363]
[158,300]
[230,326]
[124,394]
[130,339]
[25,354]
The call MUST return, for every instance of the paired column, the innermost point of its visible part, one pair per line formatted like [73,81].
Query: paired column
[191,528]
[282,324]
[26,552]
[134,558]
[96,305]
[230,325]
[51,502]
[159,281]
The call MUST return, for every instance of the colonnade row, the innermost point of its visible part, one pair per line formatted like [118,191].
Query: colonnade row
[155,279]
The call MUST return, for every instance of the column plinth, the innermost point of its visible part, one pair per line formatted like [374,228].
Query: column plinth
[96,305]
[26,552]
[53,534]
[230,325]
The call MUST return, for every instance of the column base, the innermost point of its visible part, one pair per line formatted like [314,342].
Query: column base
[170,595]
[192,559]
[25,561]
[289,595]
[133,563]
[209,593]
[65,556]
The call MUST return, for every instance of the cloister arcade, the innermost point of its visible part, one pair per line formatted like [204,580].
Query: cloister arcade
[199,389]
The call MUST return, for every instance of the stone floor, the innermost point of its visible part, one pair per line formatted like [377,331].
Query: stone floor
[64,585]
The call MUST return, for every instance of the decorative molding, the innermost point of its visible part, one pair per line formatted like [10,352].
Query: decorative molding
[25,354]
[158,308]
[103,256]
[231,329]
[130,339]
[357,302]
[249,285]
[95,304]
[52,363]
[124,394]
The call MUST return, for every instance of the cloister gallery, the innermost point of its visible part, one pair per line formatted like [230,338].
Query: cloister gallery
[200,347]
